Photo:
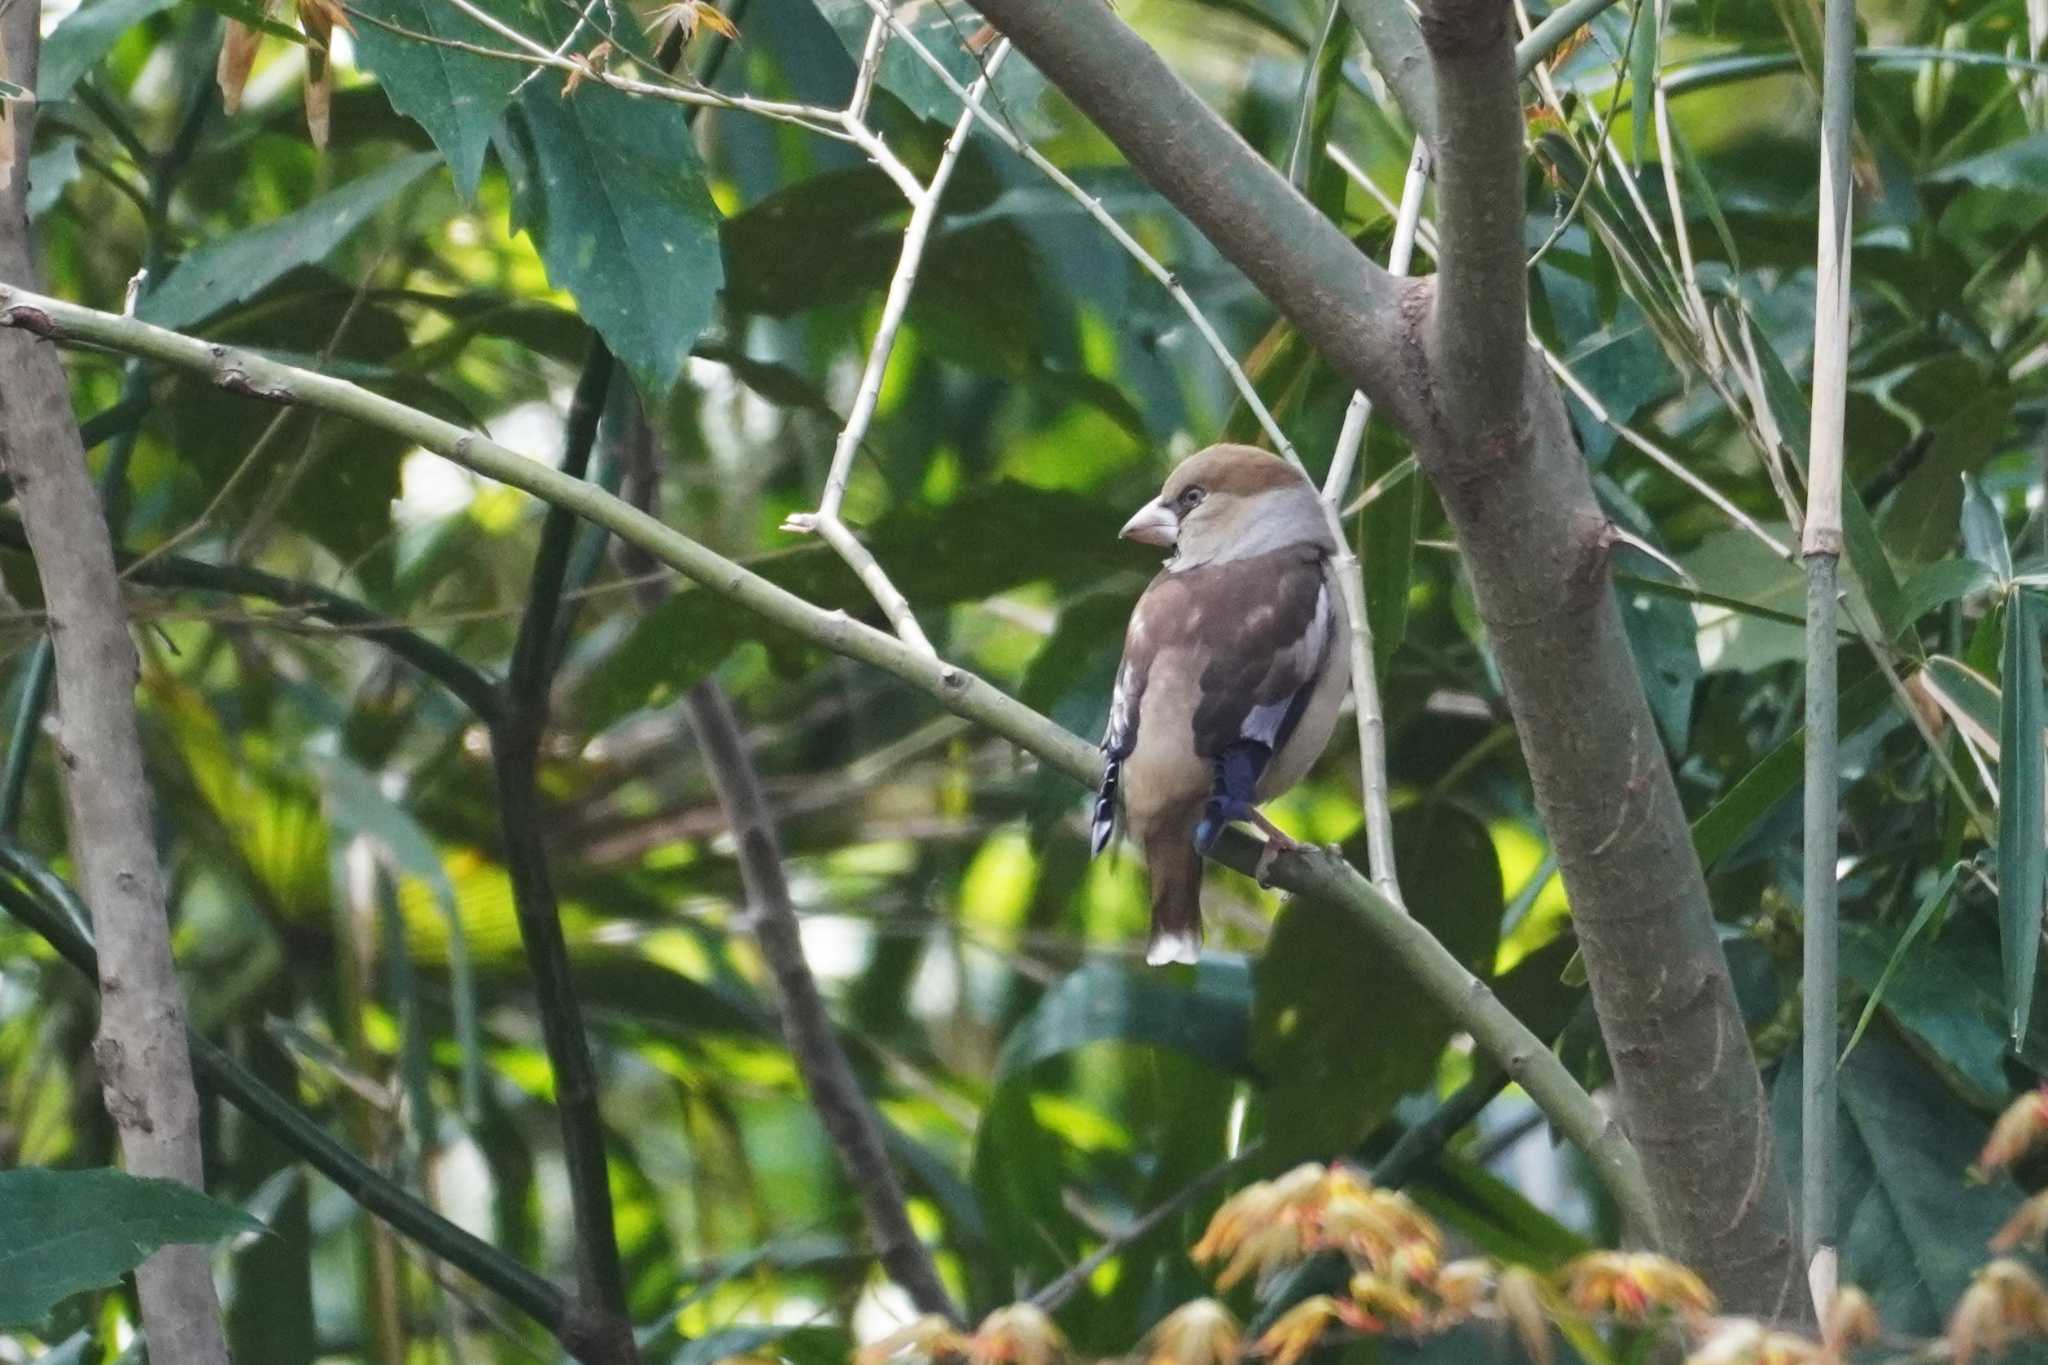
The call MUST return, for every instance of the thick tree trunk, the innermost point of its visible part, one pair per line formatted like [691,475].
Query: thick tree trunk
[1446,360]
[145,1071]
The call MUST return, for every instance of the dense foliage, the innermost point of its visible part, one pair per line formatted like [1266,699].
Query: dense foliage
[325,616]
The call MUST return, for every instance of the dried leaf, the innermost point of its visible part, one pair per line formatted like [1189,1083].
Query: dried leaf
[237,55]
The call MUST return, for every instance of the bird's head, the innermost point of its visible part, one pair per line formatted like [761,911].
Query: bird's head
[1230,502]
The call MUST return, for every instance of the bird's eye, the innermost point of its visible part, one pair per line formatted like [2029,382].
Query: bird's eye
[1191,496]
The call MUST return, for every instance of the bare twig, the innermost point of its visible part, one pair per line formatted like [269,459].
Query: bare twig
[1365,688]
[1092,206]
[1056,1292]
[924,212]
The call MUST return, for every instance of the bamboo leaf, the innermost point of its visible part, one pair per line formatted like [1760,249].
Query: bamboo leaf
[1776,776]
[85,36]
[1984,531]
[2022,852]
[1937,896]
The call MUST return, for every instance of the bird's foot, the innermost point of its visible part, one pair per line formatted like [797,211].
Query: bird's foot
[1217,812]
[1222,810]
[1277,839]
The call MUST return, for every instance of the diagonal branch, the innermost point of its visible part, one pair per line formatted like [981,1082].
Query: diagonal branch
[1447,362]
[924,212]
[1344,304]
[849,1119]
[1309,872]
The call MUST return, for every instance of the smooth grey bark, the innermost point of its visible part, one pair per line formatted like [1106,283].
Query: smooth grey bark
[1446,360]
[144,1066]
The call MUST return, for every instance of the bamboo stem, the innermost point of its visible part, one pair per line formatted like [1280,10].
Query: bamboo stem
[1821,545]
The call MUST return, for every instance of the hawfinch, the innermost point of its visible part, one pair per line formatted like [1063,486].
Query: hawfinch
[1232,675]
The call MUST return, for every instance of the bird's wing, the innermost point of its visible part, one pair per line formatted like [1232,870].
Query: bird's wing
[1152,626]
[1272,626]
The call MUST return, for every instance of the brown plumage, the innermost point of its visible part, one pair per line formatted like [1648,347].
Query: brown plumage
[1232,672]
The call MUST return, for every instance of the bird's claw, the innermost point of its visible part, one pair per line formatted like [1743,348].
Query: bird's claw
[1262,871]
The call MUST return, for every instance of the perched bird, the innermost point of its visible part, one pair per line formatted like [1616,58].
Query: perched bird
[1232,675]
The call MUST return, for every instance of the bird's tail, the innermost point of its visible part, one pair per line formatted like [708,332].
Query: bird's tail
[1175,870]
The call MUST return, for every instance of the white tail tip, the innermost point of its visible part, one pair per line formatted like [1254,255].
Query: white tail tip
[1180,947]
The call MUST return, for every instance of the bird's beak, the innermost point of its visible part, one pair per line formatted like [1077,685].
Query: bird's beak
[1155,524]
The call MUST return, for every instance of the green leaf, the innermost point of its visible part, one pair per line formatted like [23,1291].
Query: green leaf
[1945,997]
[1338,1057]
[232,268]
[1969,692]
[456,96]
[1109,1002]
[2018,165]
[1642,79]
[1776,775]
[1937,585]
[613,193]
[250,14]
[86,35]
[66,1231]
[2022,851]
[1920,521]
[1734,564]
[1937,896]
[1914,1225]
[360,807]
[1984,531]
[50,171]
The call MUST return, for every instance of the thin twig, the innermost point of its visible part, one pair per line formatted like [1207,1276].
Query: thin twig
[1092,206]
[924,212]
[1056,1292]
[1375,795]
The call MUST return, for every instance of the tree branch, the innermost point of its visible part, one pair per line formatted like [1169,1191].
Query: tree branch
[850,1121]
[1395,44]
[1482,297]
[1344,304]
[1309,872]
[602,1329]
[144,1065]
[1491,431]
